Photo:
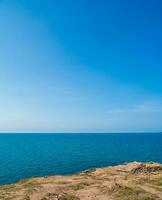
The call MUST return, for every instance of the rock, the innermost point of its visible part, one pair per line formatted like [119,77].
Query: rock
[89,171]
[147,168]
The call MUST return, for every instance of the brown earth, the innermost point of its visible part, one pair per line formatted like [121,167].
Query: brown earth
[132,181]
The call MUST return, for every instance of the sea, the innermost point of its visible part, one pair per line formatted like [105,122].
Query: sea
[24,156]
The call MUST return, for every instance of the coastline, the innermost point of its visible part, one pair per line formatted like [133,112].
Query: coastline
[38,155]
[135,180]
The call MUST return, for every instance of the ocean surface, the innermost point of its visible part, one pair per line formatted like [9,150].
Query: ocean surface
[31,155]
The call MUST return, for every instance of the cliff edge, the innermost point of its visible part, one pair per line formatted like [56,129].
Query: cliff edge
[132,181]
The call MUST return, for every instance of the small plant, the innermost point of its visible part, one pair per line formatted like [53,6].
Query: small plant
[80,186]
[49,196]
[26,197]
[158,182]
[68,197]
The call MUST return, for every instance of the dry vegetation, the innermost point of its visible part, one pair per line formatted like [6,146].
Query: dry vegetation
[133,181]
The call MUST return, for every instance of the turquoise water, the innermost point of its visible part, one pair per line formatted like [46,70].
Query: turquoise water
[31,155]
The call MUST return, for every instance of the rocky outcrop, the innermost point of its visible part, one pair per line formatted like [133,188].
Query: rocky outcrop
[147,168]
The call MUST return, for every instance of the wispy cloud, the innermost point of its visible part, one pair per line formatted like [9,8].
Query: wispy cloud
[140,108]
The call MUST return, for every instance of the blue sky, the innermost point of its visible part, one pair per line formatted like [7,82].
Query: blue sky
[80,65]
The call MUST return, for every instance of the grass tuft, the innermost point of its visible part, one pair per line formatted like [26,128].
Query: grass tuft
[128,193]
[80,186]
[68,197]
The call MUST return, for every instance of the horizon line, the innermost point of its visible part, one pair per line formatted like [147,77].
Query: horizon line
[72,132]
